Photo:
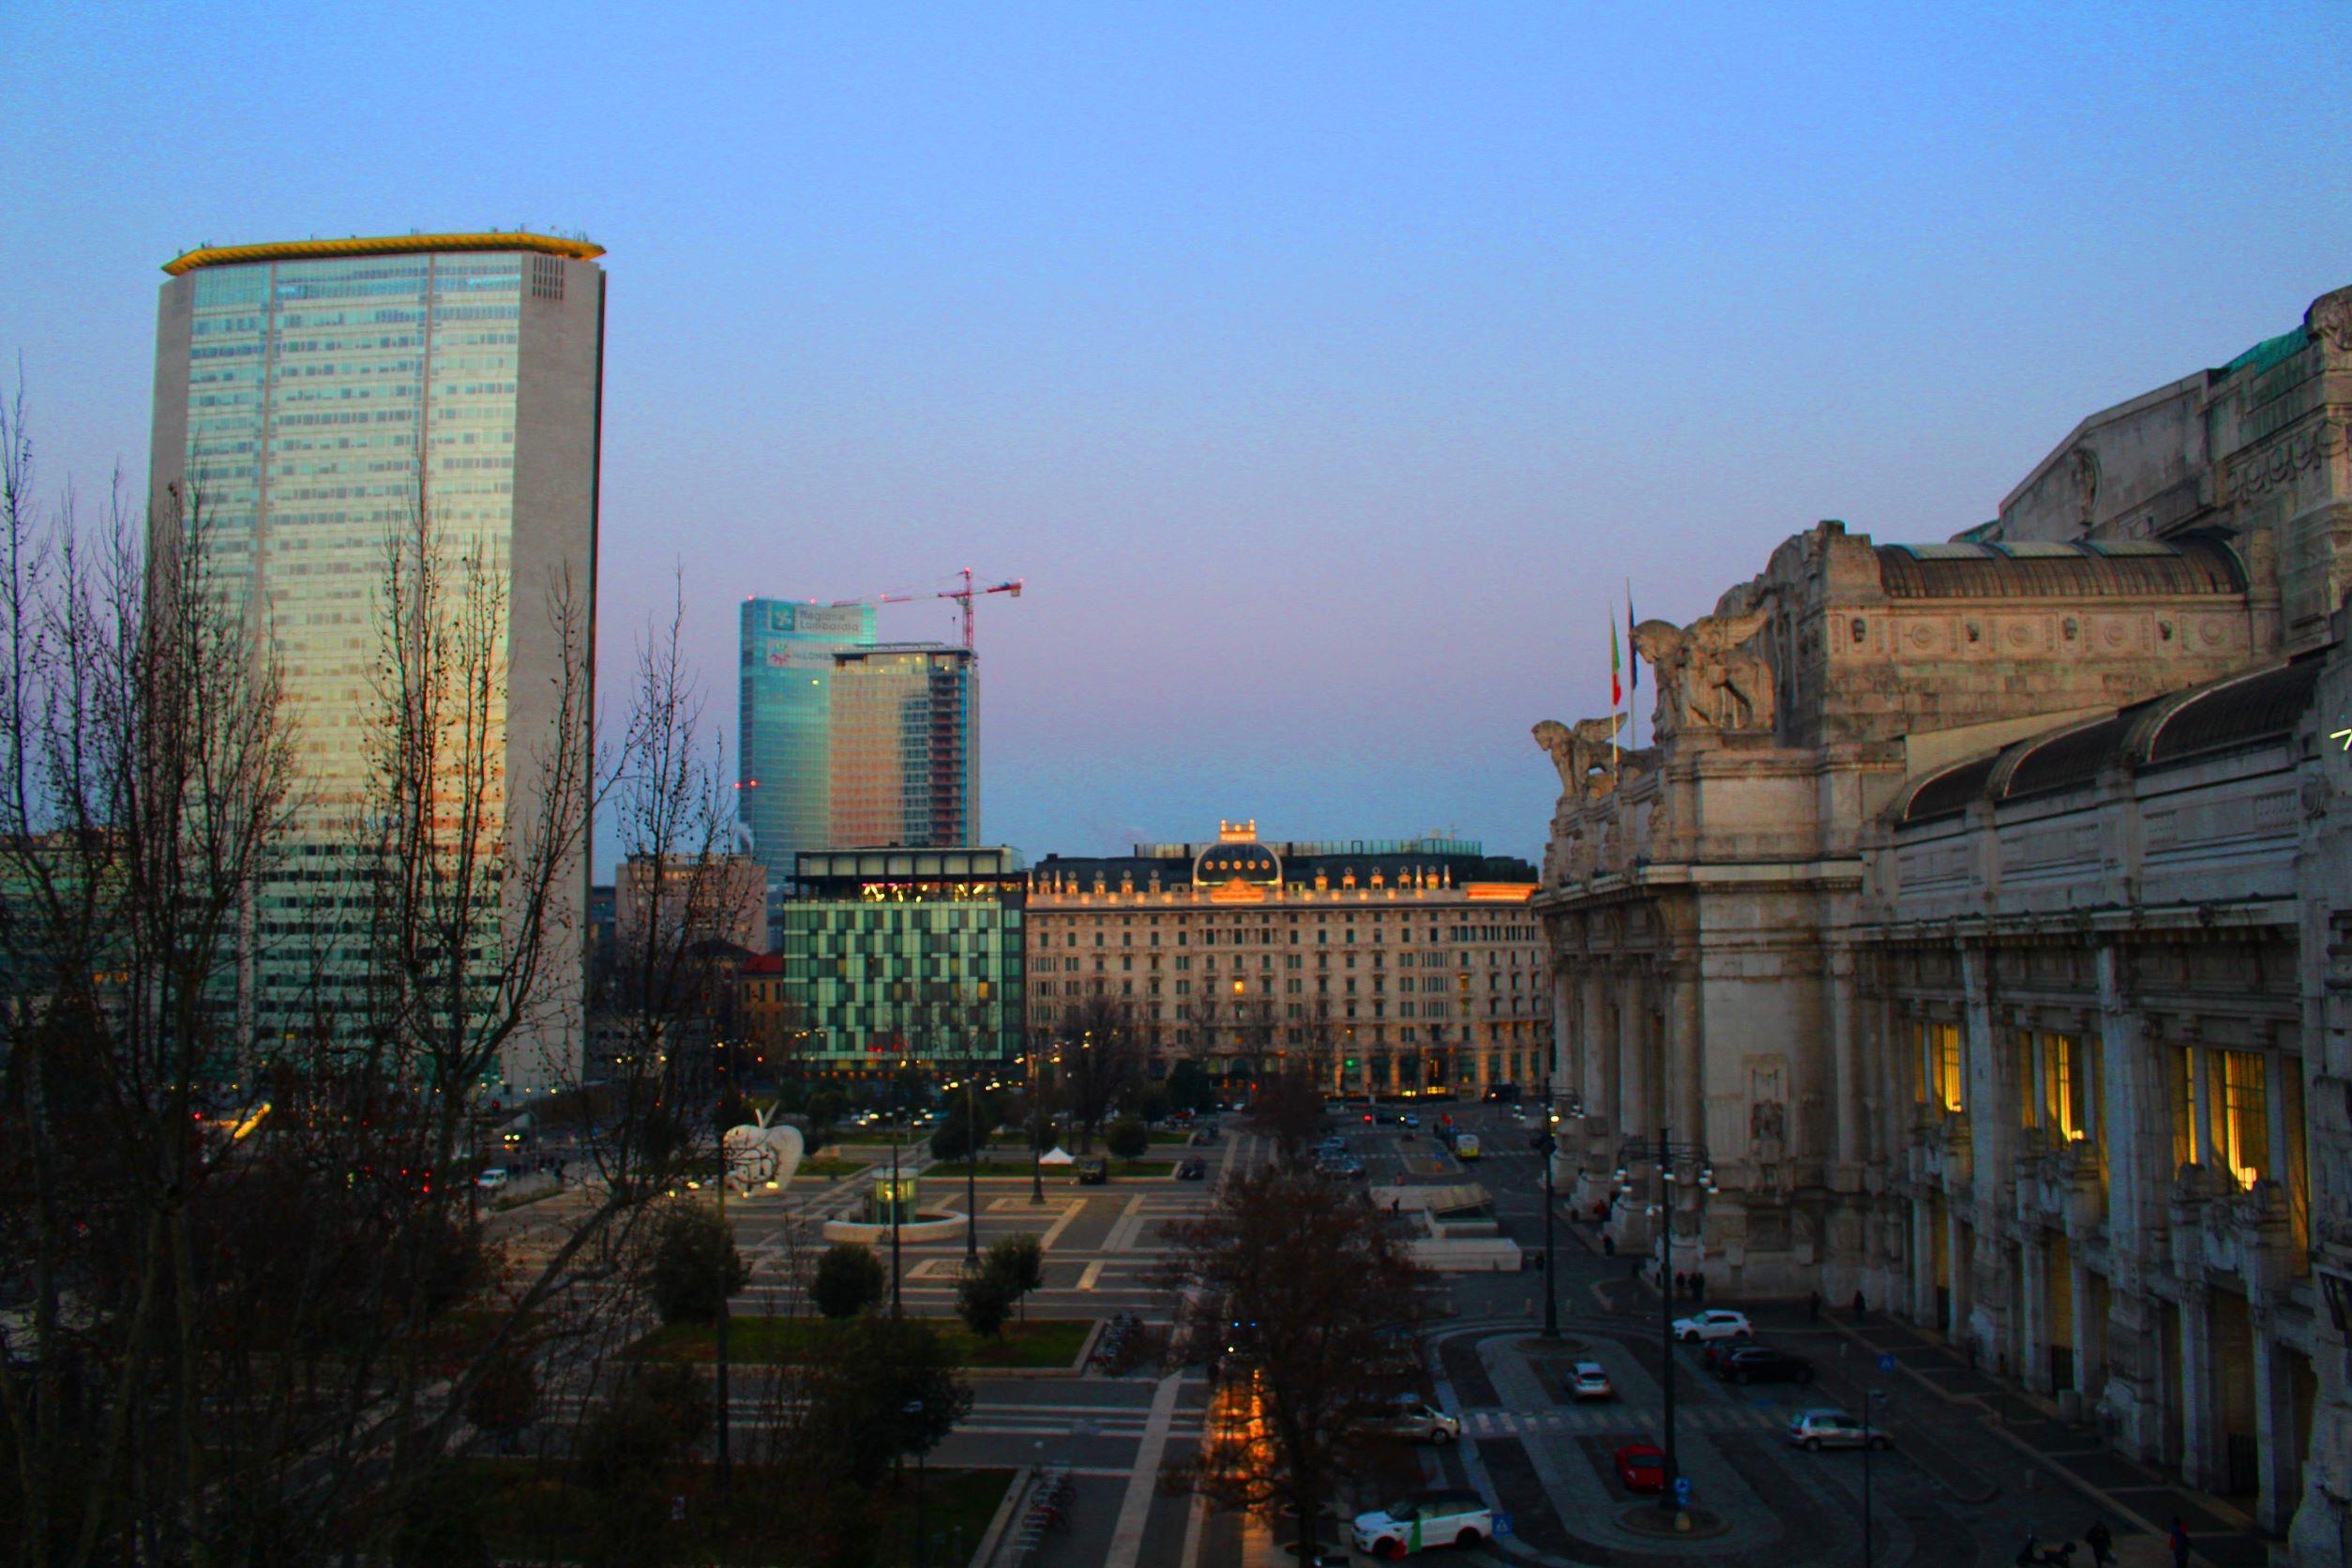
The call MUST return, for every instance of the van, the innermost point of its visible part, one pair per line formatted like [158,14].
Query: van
[492,1179]
[1465,1146]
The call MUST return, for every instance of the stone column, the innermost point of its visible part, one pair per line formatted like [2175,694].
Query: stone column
[1637,1100]
[2200,1407]
[2137,1129]
[1567,1052]
[1923,1291]
[2034,1332]
[1991,1109]
[2091,1362]
[2279,1486]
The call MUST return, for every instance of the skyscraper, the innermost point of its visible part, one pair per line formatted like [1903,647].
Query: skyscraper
[319,398]
[785,723]
[906,746]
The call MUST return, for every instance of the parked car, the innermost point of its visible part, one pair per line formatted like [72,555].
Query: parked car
[1093,1172]
[1714,1323]
[1192,1171]
[492,1179]
[1641,1468]
[1590,1379]
[1428,1519]
[1415,1420]
[1758,1363]
[1815,1430]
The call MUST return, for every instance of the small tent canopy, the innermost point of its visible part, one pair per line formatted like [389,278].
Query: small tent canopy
[1057,1155]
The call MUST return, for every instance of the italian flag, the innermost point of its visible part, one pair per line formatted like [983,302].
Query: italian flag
[1617,690]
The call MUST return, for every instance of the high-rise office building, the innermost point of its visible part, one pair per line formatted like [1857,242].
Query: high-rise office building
[906,746]
[785,723]
[847,743]
[317,397]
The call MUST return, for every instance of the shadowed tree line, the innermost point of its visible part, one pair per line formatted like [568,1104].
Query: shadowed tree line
[249,1308]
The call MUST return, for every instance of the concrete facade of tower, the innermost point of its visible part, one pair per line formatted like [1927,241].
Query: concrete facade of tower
[314,400]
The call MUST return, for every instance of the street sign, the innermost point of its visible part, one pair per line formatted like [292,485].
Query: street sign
[1886,1361]
[1681,1491]
[1502,1524]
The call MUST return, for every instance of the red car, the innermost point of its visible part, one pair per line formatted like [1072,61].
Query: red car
[1641,1468]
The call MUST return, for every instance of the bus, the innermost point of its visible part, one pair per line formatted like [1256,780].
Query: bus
[1465,1146]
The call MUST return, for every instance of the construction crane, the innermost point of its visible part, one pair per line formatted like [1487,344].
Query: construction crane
[967,593]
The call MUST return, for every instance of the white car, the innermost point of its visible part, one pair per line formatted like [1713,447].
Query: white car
[1590,1379]
[1426,1521]
[1818,1429]
[1713,1324]
[492,1179]
[1415,1420]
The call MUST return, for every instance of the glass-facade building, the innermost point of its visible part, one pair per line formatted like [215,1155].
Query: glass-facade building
[906,746]
[899,957]
[312,399]
[784,721]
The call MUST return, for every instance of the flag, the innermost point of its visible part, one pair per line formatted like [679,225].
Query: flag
[1617,692]
[1633,676]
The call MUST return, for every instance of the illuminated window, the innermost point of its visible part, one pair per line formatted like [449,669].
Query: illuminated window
[2240,1114]
[1941,1065]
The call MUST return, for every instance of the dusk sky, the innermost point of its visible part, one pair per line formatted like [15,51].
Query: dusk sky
[1327,371]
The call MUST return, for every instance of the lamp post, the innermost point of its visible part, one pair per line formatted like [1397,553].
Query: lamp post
[1870,1396]
[1677,1163]
[1546,1141]
[971,1169]
[921,1541]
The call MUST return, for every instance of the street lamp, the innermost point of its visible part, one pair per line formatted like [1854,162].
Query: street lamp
[1677,1163]
[1870,1396]
[1545,1142]
[921,1541]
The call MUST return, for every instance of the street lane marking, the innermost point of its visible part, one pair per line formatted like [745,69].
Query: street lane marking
[1092,1273]
[1126,1540]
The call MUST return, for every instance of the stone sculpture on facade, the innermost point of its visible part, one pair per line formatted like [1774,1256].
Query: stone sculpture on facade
[1707,679]
[1584,754]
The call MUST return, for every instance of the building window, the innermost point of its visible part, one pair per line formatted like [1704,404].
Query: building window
[1941,1065]
[2242,1116]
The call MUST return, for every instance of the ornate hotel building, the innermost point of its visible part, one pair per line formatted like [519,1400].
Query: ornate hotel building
[1984,917]
[1400,967]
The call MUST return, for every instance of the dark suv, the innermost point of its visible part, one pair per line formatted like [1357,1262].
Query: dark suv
[1759,1364]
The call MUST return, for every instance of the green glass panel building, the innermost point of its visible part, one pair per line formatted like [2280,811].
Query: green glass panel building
[899,957]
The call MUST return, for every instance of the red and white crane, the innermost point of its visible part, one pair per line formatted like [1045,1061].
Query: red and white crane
[967,593]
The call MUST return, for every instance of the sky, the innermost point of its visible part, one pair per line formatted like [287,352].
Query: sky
[1329,372]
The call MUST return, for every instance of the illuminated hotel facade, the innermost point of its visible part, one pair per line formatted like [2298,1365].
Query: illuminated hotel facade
[313,397]
[1396,967]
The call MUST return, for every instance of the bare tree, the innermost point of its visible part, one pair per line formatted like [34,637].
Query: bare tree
[1101,1057]
[1296,1289]
[237,1219]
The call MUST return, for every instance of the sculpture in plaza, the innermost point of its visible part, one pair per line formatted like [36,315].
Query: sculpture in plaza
[1707,678]
[761,1154]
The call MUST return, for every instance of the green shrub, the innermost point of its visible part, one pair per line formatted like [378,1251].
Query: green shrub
[849,1279]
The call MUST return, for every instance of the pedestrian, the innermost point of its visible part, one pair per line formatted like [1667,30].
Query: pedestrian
[1682,1285]
[1857,1306]
[1699,1287]
[2102,1544]
[1609,1245]
[1813,1307]
[2178,1541]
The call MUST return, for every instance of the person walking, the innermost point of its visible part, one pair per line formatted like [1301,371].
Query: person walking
[1813,1307]
[2102,1544]
[2178,1539]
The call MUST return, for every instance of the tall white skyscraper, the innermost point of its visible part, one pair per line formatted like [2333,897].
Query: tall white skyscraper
[315,395]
